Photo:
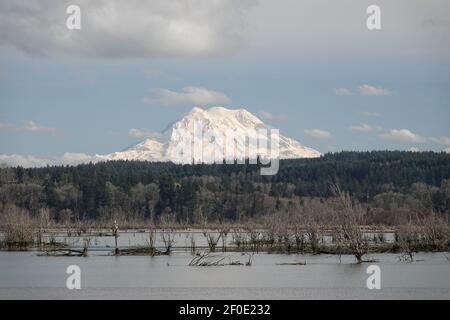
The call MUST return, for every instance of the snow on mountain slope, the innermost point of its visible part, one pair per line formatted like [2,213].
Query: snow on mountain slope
[206,136]
[148,149]
[176,142]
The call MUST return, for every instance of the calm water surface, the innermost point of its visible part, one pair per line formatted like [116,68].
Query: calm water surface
[26,275]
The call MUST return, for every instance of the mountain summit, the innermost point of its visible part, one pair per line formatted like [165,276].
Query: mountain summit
[174,143]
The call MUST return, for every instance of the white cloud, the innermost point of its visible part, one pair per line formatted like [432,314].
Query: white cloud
[403,135]
[28,161]
[27,126]
[23,161]
[365,90]
[447,150]
[75,158]
[363,127]
[408,136]
[190,96]
[7,126]
[132,28]
[342,92]
[414,149]
[318,134]
[368,90]
[143,133]
[36,127]
[441,140]
[274,117]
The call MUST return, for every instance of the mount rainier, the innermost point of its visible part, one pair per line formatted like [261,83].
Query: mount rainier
[217,121]
[166,146]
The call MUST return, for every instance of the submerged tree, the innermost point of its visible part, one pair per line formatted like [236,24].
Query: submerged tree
[349,218]
[407,238]
[17,227]
[167,224]
[435,233]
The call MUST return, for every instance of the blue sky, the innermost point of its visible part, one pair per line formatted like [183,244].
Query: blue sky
[309,68]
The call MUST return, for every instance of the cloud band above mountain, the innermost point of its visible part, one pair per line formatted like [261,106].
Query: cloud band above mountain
[129,28]
[189,96]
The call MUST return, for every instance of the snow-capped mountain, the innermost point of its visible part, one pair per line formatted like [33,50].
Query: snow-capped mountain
[206,136]
[179,142]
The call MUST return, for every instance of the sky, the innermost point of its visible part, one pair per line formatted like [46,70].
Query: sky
[310,68]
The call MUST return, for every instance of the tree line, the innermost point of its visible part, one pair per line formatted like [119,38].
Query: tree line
[392,184]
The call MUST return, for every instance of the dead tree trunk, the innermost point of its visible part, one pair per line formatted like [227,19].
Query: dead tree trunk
[115,230]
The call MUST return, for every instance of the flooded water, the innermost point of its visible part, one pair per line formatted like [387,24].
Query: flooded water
[26,275]
[182,239]
[104,276]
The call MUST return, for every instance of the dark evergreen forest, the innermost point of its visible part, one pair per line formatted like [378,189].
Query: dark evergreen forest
[391,183]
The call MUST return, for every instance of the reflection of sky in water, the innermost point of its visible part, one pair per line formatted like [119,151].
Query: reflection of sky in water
[322,277]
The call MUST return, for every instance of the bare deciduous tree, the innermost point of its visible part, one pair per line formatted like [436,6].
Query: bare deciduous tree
[212,237]
[435,232]
[224,229]
[17,227]
[313,234]
[349,218]
[407,239]
[299,233]
[167,223]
